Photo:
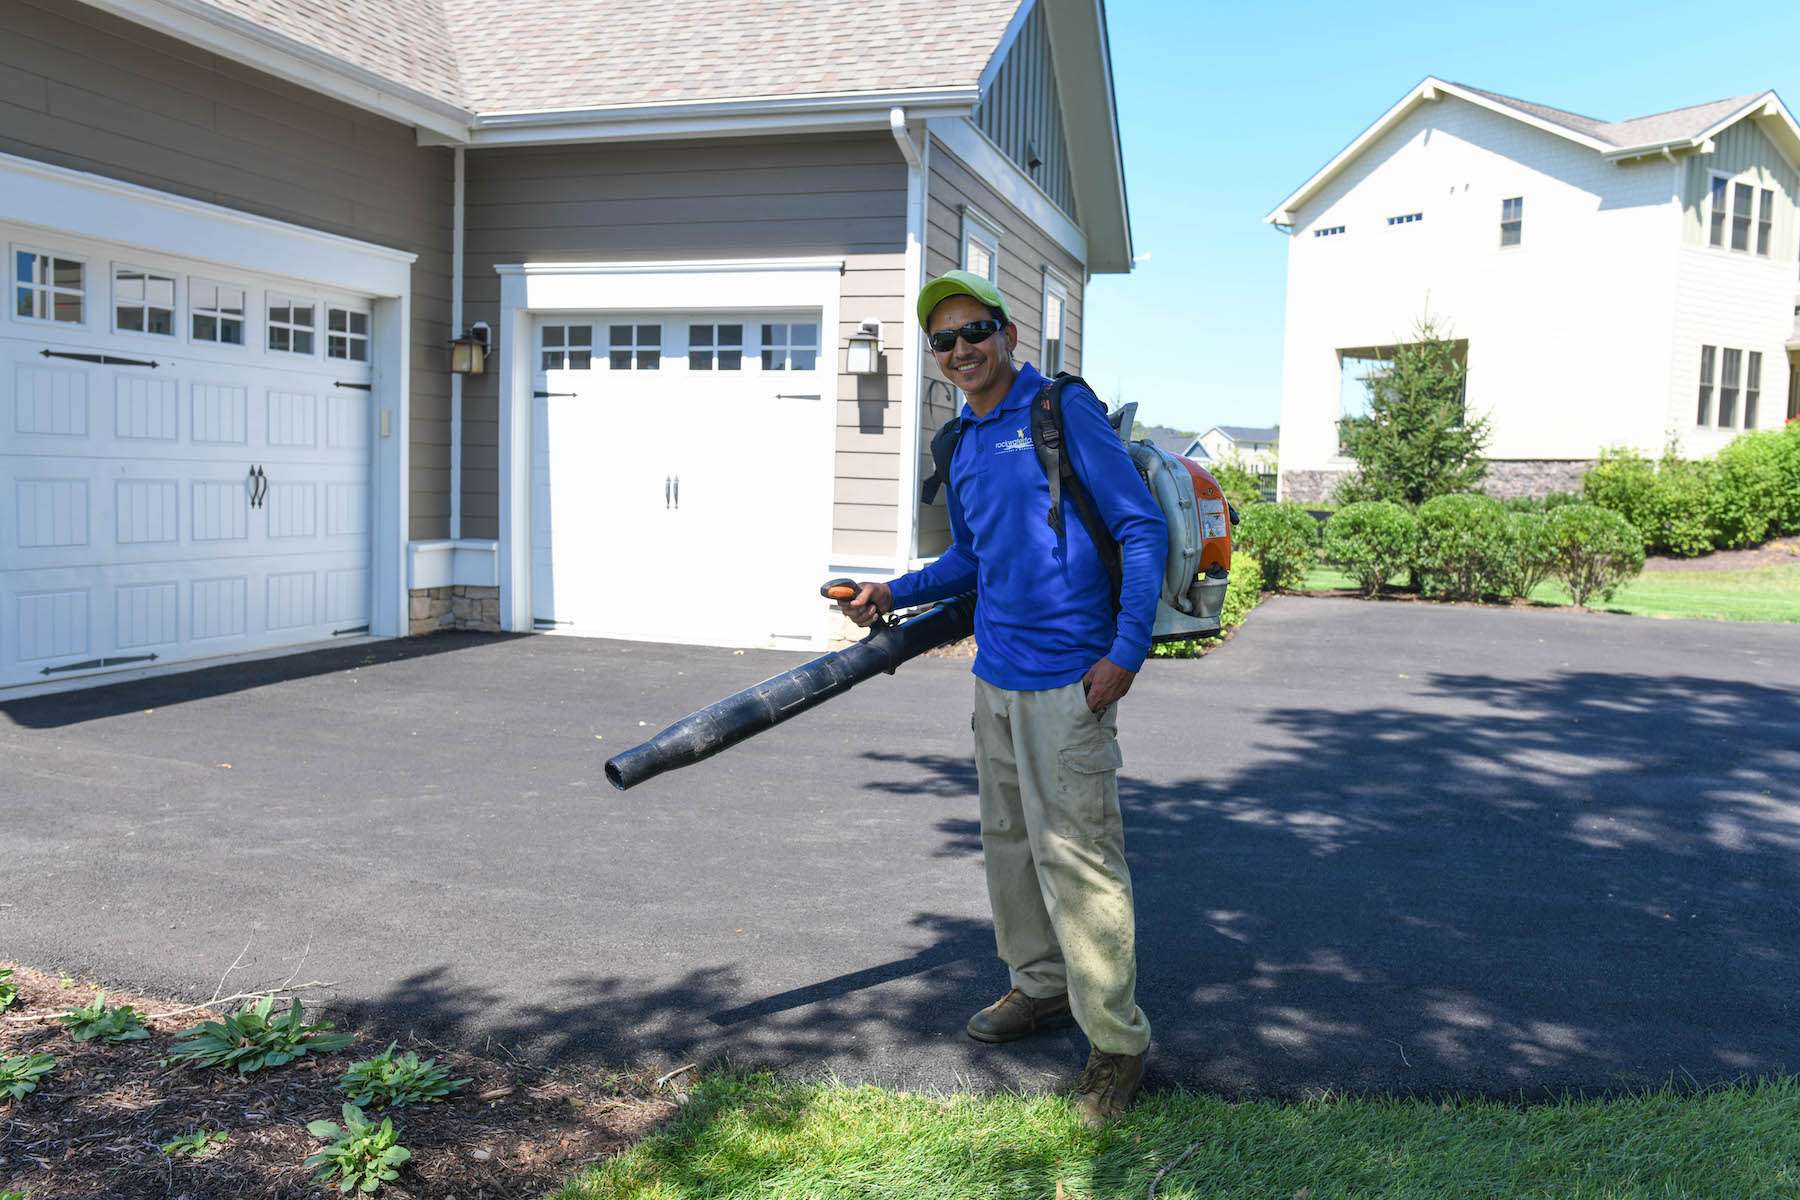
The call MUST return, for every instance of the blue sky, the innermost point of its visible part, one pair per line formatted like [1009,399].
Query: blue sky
[1225,108]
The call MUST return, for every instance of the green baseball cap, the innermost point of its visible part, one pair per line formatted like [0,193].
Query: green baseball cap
[959,283]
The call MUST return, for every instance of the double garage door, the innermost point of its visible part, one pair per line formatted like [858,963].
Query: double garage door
[186,461]
[681,478]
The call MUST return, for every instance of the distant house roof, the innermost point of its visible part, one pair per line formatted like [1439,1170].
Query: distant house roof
[1249,433]
[1163,438]
[1678,130]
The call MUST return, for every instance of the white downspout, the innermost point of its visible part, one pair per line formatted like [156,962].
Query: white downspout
[912,412]
[456,329]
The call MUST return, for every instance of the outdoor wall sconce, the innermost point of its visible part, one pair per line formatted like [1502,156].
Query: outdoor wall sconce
[864,356]
[469,353]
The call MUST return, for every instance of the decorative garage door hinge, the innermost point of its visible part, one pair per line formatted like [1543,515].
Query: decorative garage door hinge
[105,360]
[543,621]
[355,387]
[547,395]
[95,663]
[352,629]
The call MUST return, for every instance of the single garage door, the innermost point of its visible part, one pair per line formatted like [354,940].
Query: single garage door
[681,476]
[186,460]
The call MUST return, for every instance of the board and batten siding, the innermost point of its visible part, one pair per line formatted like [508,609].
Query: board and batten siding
[1022,114]
[1025,252]
[1745,152]
[96,93]
[743,198]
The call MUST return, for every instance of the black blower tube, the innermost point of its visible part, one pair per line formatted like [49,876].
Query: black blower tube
[703,734]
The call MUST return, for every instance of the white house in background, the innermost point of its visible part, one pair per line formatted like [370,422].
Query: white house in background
[1611,283]
[1254,448]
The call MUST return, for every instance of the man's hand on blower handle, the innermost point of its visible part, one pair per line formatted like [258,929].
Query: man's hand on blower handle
[1105,682]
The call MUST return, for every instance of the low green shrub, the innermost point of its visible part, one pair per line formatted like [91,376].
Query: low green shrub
[1283,538]
[390,1081]
[362,1156]
[1623,481]
[1241,487]
[19,1075]
[1242,592]
[1749,503]
[9,991]
[1465,546]
[1372,540]
[1595,549]
[251,1040]
[1540,504]
[1787,461]
[109,1023]
[1683,508]
[1533,554]
[198,1144]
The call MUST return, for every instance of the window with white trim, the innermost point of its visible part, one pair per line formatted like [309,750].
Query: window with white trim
[1715,206]
[49,287]
[1752,387]
[1730,378]
[790,345]
[1703,411]
[215,312]
[980,247]
[1512,220]
[292,324]
[634,347]
[1056,317]
[143,301]
[1765,222]
[715,347]
[566,347]
[347,334]
[1742,195]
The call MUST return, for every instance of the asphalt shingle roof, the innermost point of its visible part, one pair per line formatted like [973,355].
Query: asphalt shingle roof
[1251,433]
[529,55]
[1674,125]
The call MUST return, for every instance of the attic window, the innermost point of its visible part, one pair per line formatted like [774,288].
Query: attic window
[1328,231]
[1512,220]
[1406,218]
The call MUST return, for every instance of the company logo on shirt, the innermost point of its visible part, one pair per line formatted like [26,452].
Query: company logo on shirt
[1020,440]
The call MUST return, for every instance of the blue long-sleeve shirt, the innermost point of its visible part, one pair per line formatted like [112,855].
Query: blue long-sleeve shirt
[1043,609]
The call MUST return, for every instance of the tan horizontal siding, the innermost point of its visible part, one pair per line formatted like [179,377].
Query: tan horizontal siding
[837,196]
[82,89]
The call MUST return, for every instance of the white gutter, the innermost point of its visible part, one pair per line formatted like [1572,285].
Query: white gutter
[912,409]
[456,330]
[713,118]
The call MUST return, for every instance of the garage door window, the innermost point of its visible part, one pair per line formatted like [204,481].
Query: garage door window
[566,347]
[49,287]
[347,334]
[634,347]
[715,347]
[143,301]
[790,346]
[292,324]
[216,312]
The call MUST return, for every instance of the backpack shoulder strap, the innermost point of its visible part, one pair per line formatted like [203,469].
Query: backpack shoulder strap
[943,449]
[1059,472]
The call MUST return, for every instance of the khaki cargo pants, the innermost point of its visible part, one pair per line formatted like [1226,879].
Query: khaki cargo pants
[1054,845]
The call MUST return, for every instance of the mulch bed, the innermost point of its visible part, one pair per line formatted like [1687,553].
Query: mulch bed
[1769,554]
[96,1124]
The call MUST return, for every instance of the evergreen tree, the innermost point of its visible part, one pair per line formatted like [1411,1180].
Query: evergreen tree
[1416,442]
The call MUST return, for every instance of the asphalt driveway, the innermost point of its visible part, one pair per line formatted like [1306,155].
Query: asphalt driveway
[1375,846]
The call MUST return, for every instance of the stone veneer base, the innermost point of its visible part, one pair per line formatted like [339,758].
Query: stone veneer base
[1506,478]
[457,607]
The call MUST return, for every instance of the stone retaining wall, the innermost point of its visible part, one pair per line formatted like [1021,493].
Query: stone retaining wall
[458,607]
[1505,479]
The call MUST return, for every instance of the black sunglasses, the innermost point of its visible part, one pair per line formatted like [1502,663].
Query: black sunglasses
[974,333]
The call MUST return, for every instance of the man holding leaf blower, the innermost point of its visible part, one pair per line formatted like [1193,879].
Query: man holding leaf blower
[1063,620]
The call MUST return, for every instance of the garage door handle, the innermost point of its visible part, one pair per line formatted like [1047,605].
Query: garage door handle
[259,487]
[678,492]
[668,491]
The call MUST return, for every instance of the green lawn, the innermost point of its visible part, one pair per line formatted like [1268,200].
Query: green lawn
[753,1136]
[1757,594]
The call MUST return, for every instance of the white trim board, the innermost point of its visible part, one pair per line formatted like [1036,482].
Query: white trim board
[988,163]
[469,562]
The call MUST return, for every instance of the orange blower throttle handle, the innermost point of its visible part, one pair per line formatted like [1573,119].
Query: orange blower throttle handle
[842,589]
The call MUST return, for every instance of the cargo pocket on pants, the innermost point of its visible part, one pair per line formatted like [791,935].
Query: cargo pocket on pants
[1082,779]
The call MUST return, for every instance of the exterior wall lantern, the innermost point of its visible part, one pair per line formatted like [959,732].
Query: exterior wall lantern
[864,357]
[469,353]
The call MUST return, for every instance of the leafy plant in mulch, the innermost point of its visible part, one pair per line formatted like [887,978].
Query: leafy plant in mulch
[251,1040]
[114,1023]
[362,1156]
[9,992]
[197,1144]
[19,1076]
[14,1196]
[389,1081]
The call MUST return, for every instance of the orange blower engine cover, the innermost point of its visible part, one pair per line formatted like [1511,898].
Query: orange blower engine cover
[1214,551]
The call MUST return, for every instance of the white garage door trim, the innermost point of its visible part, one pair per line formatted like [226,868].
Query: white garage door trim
[537,289]
[65,202]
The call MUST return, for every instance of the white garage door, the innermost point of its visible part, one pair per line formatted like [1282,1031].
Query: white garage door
[681,476]
[186,461]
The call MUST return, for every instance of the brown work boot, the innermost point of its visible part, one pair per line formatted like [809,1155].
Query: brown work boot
[1108,1086]
[1016,1015]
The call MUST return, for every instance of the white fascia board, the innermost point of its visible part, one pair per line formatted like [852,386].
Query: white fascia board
[449,562]
[107,209]
[1428,90]
[823,113]
[747,284]
[210,28]
[1004,46]
[991,165]
[1082,60]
